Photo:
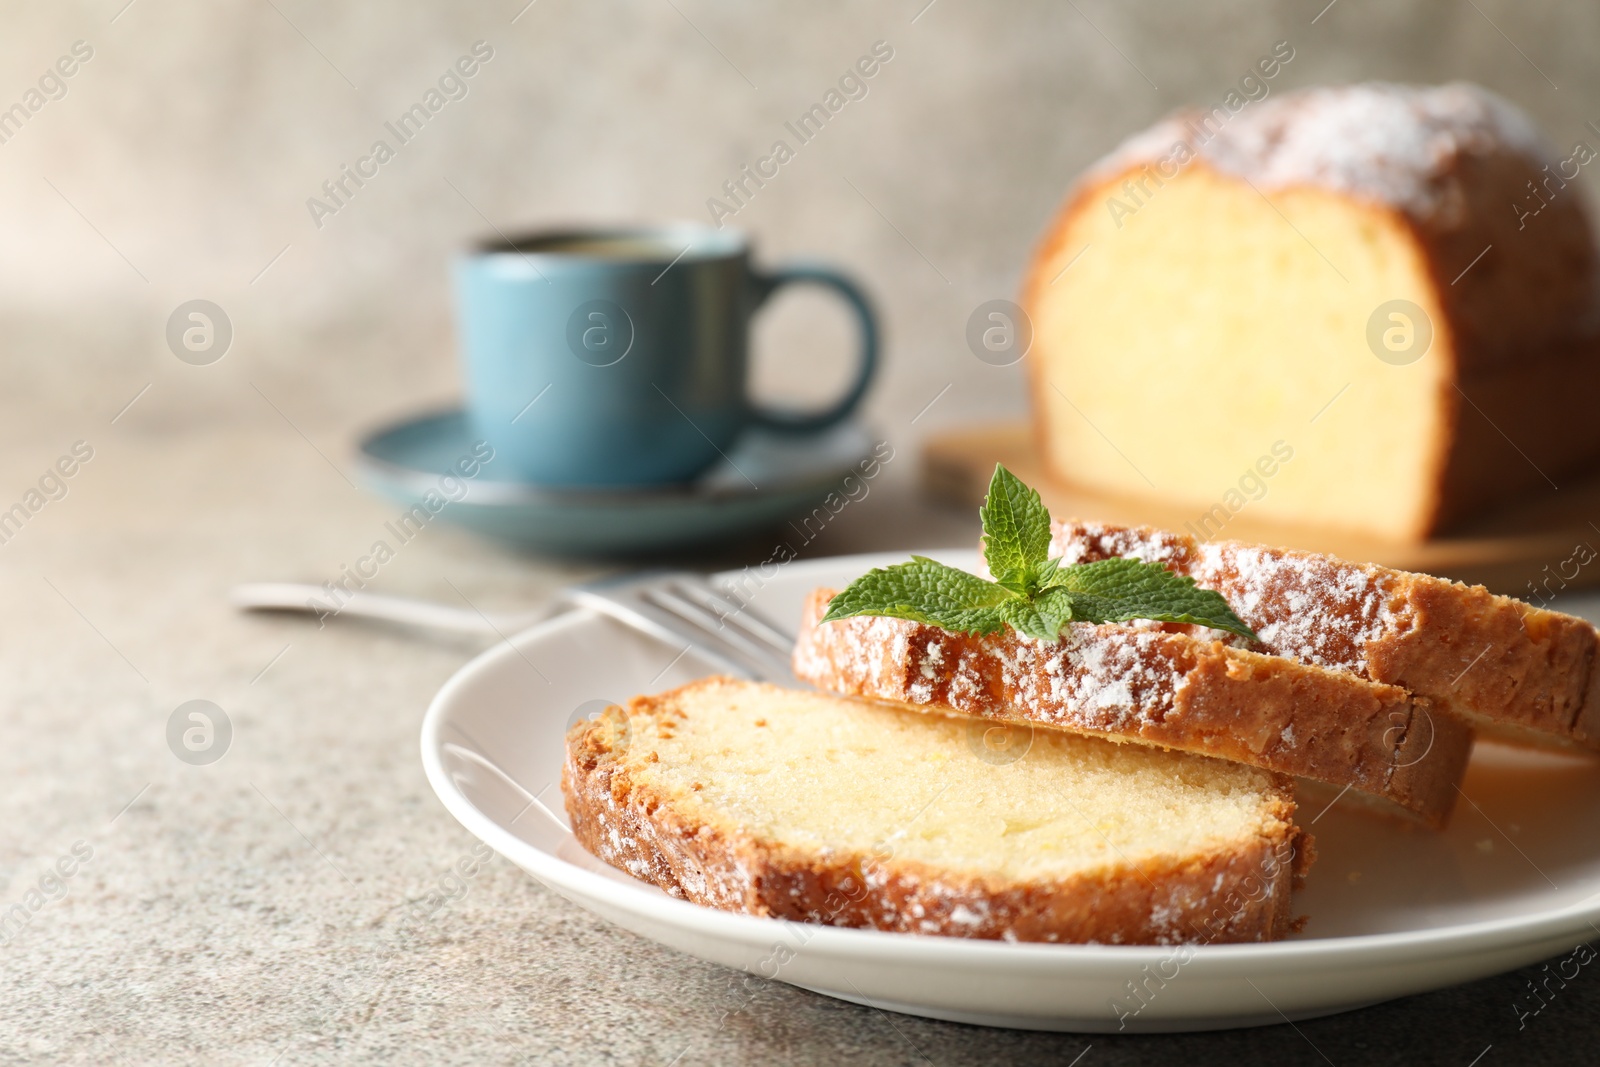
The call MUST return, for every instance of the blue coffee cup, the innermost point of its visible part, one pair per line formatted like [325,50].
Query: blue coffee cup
[619,357]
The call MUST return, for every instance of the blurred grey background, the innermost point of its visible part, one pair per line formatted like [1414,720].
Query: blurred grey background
[179,163]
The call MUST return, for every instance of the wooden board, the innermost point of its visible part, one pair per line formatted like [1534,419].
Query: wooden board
[1532,549]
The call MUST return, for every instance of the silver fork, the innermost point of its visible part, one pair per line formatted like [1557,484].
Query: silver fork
[672,606]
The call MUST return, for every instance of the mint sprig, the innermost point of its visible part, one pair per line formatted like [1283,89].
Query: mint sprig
[1016,531]
[1031,593]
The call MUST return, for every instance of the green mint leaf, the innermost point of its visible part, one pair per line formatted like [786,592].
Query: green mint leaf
[1120,590]
[925,591]
[1043,575]
[1031,593]
[1040,617]
[1016,530]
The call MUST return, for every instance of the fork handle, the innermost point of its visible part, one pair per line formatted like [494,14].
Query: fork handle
[314,600]
[732,653]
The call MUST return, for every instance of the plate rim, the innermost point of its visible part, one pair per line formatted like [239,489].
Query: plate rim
[638,898]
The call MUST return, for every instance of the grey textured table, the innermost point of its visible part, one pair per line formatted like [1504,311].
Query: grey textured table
[251,911]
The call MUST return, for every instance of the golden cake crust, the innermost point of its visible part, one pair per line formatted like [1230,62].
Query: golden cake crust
[1158,685]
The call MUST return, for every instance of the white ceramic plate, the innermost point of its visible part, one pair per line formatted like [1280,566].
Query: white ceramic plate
[1515,879]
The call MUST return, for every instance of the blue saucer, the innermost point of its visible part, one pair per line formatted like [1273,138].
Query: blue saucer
[765,479]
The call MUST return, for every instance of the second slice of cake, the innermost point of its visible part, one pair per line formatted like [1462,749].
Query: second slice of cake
[1156,685]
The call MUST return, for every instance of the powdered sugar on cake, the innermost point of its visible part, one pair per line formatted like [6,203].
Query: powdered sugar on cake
[1379,141]
[1089,542]
[1112,678]
[1099,677]
[1306,607]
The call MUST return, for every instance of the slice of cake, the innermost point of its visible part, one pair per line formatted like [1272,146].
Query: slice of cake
[797,805]
[1505,666]
[1378,300]
[1156,684]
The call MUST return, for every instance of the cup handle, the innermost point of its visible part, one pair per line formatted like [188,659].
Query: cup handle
[806,422]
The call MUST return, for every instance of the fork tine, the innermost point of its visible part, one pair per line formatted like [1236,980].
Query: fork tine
[681,606]
[771,662]
[629,608]
[729,610]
